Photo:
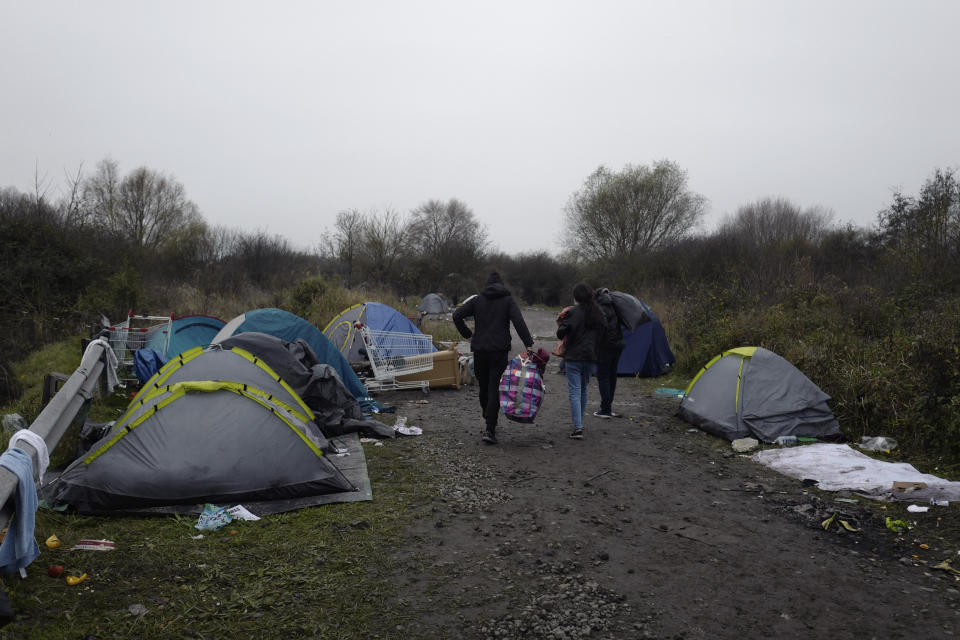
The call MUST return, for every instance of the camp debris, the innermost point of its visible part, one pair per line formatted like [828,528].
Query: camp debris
[834,521]
[751,391]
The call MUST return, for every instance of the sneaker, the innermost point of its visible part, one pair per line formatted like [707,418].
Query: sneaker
[489,437]
[577,434]
[605,416]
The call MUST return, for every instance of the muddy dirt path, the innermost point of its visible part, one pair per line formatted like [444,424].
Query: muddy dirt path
[643,529]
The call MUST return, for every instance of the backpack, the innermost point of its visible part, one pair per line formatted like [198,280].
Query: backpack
[521,387]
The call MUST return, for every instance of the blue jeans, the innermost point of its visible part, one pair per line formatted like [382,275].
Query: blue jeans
[578,380]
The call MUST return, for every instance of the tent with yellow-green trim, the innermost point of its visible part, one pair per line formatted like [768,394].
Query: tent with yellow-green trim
[753,392]
[211,426]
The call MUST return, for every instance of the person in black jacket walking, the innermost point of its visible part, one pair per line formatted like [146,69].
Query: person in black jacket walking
[608,355]
[581,326]
[492,310]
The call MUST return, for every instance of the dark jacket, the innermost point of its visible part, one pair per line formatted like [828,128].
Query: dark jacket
[582,341]
[492,310]
[611,338]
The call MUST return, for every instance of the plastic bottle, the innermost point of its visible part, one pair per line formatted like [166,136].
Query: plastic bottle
[786,441]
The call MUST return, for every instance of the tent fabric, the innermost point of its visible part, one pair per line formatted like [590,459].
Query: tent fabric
[183,334]
[291,327]
[211,426]
[318,384]
[646,352]
[343,334]
[146,363]
[753,392]
[433,303]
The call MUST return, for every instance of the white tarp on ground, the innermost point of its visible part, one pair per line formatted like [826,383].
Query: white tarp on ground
[838,467]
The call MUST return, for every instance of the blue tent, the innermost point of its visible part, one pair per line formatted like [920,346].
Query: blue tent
[341,331]
[289,326]
[183,334]
[646,352]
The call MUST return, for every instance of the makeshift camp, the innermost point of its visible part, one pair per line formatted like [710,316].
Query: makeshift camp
[342,330]
[750,391]
[212,426]
[183,334]
[646,352]
[433,303]
[289,326]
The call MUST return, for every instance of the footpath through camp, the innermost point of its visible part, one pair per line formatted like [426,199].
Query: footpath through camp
[648,528]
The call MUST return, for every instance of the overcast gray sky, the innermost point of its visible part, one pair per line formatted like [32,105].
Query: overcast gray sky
[277,115]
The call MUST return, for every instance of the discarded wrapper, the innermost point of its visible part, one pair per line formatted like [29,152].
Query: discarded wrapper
[93,545]
[240,512]
[212,518]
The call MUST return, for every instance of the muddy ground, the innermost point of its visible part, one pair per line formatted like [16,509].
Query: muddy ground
[646,529]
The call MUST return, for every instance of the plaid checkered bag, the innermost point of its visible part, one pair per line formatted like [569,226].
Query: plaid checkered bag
[521,390]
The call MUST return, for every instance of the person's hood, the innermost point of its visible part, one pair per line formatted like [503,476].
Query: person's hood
[603,296]
[494,287]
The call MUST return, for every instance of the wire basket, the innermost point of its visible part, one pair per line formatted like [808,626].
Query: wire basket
[395,353]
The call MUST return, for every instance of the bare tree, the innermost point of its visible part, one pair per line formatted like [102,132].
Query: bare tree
[384,239]
[143,208]
[770,221]
[446,239]
[346,241]
[637,209]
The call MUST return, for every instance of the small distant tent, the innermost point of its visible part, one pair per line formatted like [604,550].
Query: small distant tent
[183,334]
[289,326]
[433,303]
[214,426]
[753,392]
[646,352]
[342,332]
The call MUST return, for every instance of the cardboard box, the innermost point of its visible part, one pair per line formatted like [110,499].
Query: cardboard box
[445,372]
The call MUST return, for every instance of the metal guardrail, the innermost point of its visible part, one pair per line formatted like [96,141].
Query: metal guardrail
[56,417]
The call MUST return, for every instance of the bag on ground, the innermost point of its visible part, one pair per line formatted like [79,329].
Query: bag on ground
[521,390]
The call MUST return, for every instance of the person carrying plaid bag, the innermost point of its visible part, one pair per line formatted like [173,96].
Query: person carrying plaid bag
[521,387]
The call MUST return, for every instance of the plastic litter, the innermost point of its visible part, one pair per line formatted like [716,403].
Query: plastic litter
[212,518]
[94,545]
[913,508]
[786,441]
[877,443]
[53,542]
[939,503]
[240,512]
[73,580]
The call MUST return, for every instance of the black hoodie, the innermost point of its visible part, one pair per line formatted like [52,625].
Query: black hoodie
[492,310]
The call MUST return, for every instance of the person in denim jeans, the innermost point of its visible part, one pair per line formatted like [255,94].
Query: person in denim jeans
[581,327]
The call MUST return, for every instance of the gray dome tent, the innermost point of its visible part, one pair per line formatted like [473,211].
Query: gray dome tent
[210,426]
[433,303]
[753,392]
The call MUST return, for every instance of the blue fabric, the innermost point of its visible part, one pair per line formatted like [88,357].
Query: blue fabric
[646,352]
[289,326]
[578,382]
[19,547]
[147,362]
[185,334]
[383,317]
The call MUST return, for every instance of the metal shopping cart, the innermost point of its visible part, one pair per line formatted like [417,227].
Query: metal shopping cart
[394,353]
[132,334]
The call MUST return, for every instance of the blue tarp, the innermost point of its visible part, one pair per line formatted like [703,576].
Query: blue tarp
[646,352]
[289,326]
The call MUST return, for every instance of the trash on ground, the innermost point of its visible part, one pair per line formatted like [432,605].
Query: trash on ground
[744,445]
[946,566]
[199,536]
[72,580]
[904,487]
[877,443]
[368,440]
[665,391]
[896,525]
[94,545]
[835,521]
[939,503]
[786,441]
[914,508]
[55,571]
[240,512]
[212,518]
[850,500]
[53,542]
[138,610]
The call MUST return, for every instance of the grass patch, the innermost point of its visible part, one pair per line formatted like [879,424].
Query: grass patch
[322,572]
